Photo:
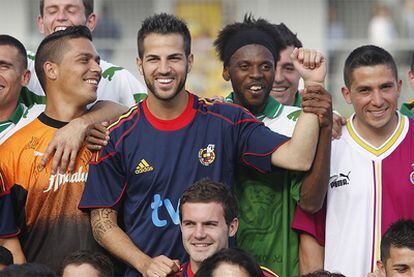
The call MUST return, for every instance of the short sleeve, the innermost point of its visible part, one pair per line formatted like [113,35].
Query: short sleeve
[256,143]
[312,224]
[106,180]
[131,90]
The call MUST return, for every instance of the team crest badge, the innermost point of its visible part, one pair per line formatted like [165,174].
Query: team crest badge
[207,155]
[412,174]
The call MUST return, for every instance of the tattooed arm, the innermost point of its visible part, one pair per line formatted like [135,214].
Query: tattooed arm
[108,234]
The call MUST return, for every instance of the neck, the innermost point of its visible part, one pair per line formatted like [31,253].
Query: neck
[376,136]
[194,266]
[255,110]
[167,109]
[59,109]
[7,110]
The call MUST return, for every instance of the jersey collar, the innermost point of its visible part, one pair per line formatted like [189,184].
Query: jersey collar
[272,108]
[174,124]
[377,151]
[16,115]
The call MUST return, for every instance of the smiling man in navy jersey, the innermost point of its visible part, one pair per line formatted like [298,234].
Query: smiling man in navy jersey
[172,139]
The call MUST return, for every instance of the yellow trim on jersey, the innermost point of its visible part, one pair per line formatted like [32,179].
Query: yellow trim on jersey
[411,101]
[384,148]
[207,101]
[125,115]
[268,270]
[378,214]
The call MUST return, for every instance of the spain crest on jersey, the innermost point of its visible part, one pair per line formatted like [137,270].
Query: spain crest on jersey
[207,155]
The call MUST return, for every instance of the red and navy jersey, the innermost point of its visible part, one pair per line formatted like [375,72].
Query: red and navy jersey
[149,162]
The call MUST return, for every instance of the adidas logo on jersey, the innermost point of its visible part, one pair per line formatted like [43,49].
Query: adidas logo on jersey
[339,180]
[143,167]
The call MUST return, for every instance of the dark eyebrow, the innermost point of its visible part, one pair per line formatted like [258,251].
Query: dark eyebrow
[3,62]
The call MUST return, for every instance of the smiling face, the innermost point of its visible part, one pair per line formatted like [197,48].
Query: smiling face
[13,76]
[286,83]
[78,73]
[204,230]
[251,71]
[164,65]
[60,14]
[374,94]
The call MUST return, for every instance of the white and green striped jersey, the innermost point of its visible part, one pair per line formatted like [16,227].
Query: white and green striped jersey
[20,118]
[117,84]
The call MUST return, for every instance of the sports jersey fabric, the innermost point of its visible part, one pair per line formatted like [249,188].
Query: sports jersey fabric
[185,271]
[369,189]
[117,84]
[407,107]
[267,202]
[45,205]
[20,118]
[149,162]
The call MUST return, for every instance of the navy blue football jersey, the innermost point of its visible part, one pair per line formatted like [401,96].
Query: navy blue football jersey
[149,162]
[8,227]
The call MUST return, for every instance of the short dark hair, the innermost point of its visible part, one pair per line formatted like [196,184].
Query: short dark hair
[6,257]
[399,235]
[13,42]
[97,260]
[27,269]
[232,256]
[323,273]
[88,4]
[53,46]
[249,23]
[206,191]
[368,55]
[164,24]
[288,36]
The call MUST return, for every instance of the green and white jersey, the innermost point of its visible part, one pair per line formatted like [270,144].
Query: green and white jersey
[407,107]
[117,84]
[20,118]
[267,202]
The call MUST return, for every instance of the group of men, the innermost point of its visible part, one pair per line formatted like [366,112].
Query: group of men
[276,157]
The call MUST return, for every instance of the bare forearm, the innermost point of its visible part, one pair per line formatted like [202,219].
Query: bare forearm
[13,245]
[311,254]
[108,234]
[315,184]
[103,111]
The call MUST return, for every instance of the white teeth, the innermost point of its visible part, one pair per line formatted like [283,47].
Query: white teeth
[60,28]
[164,81]
[91,81]
[279,89]
[200,244]
[255,88]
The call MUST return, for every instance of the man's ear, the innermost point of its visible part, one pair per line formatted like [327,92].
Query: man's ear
[51,70]
[91,21]
[225,74]
[346,94]
[25,77]
[40,25]
[381,267]
[139,65]
[190,62]
[233,226]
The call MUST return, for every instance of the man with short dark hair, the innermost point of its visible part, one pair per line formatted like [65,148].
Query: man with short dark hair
[87,263]
[196,138]
[13,77]
[397,250]
[45,204]
[371,170]
[286,84]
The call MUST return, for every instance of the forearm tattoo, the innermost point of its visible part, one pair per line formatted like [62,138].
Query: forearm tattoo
[101,223]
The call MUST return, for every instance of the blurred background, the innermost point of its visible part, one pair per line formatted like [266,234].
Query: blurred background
[334,27]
